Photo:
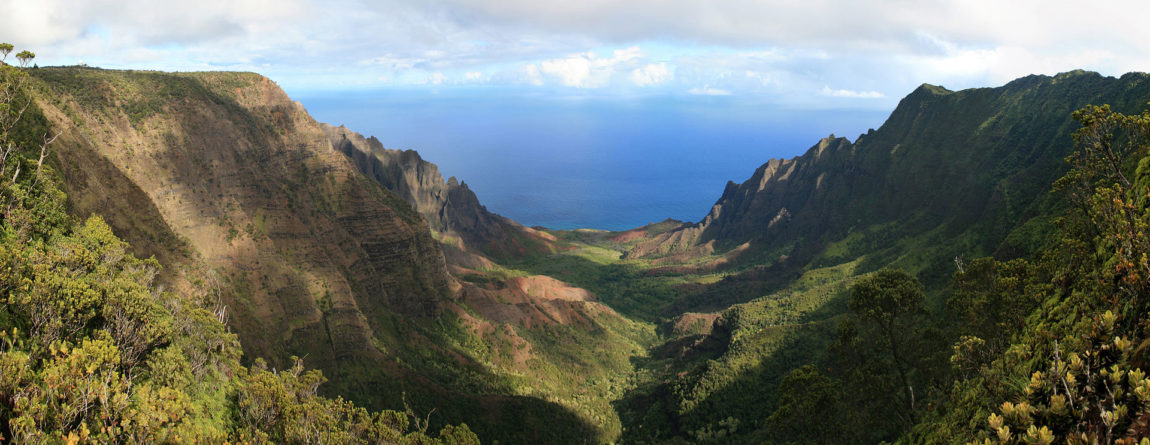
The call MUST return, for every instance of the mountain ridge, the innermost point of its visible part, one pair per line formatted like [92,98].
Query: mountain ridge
[449,206]
[877,154]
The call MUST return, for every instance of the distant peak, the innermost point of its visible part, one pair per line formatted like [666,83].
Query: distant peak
[827,141]
[1074,73]
[927,88]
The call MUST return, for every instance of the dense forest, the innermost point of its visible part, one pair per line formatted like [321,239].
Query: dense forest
[982,281]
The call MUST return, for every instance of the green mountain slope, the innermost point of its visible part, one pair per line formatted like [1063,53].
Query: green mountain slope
[949,177]
[948,174]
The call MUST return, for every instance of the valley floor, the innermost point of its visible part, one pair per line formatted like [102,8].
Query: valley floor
[676,349]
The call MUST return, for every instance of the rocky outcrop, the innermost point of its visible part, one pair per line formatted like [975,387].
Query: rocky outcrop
[759,207]
[449,206]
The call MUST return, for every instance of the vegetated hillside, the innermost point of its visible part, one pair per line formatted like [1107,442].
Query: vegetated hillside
[92,350]
[949,177]
[1053,347]
[948,174]
[242,177]
[239,192]
[449,206]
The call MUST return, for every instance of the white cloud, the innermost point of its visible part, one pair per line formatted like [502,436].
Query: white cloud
[586,70]
[531,75]
[780,49]
[437,78]
[652,74]
[706,90]
[827,91]
[474,76]
[868,25]
[392,62]
[572,71]
[763,78]
[145,22]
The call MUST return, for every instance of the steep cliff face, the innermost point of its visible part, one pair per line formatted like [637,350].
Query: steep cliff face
[224,175]
[448,206]
[949,173]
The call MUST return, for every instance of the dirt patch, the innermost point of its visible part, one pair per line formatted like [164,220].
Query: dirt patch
[533,302]
[693,323]
[701,268]
[629,236]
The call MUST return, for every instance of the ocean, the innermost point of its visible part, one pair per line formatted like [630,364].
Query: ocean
[566,162]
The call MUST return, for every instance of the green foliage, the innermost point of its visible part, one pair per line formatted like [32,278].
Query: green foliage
[25,56]
[622,284]
[1098,396]
[92,351]
[888,298]
[811,408]
[993,298]
[283,407]
[884,355]
[1073,370]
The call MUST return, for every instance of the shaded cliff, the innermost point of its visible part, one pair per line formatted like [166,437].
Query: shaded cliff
[302,246]
[450,207]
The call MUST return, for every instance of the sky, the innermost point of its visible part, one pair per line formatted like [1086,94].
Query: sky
[800,54]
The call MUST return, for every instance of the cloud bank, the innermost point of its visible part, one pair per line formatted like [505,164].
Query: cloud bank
[818,51]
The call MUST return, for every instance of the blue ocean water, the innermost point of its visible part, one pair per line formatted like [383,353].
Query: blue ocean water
[578,162]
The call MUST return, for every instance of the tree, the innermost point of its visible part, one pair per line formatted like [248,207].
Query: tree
[15,104]
[992,298]
[810,408]
[889,303]
[24,57]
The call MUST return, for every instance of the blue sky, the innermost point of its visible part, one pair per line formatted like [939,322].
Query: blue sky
[809,54]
